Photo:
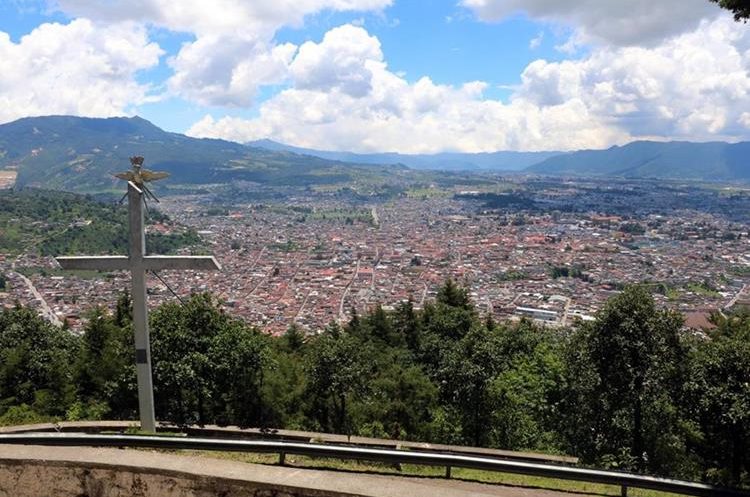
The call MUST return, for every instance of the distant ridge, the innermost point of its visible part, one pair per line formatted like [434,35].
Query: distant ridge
[445,161]
[80,154]
[710,161]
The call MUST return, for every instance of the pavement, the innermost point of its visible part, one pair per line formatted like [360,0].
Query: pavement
[213,431]
[73,465]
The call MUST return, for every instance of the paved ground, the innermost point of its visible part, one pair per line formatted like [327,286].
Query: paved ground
[292,435]
[290,481]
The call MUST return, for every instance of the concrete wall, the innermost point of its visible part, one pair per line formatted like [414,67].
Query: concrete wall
[41,479]
[36,471]
[29,471]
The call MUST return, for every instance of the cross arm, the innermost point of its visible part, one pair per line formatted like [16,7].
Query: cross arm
[151,262]
[193,262]
[100,263]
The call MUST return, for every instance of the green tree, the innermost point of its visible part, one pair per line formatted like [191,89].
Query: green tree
[718,396]
[442,323]
[102,370]
[293,339]
[740,8]
[35,365]
[453,295]
[208,367]
[526,393]
[338,372]
[399,397]
[239,358]
[623,372]
[406,324]
[124,310]
[465,376]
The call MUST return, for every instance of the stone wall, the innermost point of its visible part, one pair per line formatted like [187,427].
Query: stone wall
[38,471]
[40,479]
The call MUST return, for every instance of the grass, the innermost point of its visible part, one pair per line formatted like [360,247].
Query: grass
[85,274]
[464,474]
[427,193]
[703,290]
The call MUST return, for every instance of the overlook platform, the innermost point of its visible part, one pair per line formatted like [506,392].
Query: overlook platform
[35,471]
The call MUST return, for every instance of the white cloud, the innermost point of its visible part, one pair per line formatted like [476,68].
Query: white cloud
[224,70]
[234,52]
[343,60]
[617,22]
[536,41]
[260,17]
[692,86]
[74,68]
[390,113]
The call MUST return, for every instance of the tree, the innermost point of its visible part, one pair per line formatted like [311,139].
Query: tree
[465,375]
[338,372]
[239,358]
[35,366]
[406,324]
[294,338]
[624,373]
[442,323]
[124,310]
[452,295]
[378,327]
[526,392]
[718,397]
[400,399]
[208,366]
[101,371]
[740,8]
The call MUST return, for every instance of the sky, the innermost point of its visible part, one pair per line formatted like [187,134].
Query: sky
[409,76]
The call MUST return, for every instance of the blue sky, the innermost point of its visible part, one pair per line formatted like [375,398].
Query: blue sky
[386,75]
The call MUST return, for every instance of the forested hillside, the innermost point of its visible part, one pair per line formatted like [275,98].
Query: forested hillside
[627,391]
[56,223]
[711,161]
[81,154]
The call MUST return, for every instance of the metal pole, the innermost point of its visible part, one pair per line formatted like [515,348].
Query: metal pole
[140,310]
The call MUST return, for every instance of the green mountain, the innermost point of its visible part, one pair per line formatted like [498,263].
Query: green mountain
[55,223]
[645,159]
[446,161]
[81,154]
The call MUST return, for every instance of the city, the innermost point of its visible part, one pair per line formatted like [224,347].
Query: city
[555,256]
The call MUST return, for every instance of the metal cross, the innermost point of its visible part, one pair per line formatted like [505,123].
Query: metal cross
[138,263]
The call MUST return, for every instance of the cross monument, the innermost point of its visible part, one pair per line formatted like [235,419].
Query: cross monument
[138,263]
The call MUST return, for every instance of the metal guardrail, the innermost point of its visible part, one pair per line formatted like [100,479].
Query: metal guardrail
[624,480]
[236,433]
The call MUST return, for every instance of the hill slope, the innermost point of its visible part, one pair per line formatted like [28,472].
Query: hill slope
[80,154]
[645,159]
[447,161]
[55,223]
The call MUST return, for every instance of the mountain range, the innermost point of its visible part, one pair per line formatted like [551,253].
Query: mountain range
[80,154]
[710,161]
[446,161]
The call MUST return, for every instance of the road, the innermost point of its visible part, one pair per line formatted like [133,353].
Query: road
[564,320]
[46,311]
[375,218]
[342,317]
[734,299]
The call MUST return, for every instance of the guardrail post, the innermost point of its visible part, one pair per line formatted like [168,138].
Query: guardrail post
[432,459]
